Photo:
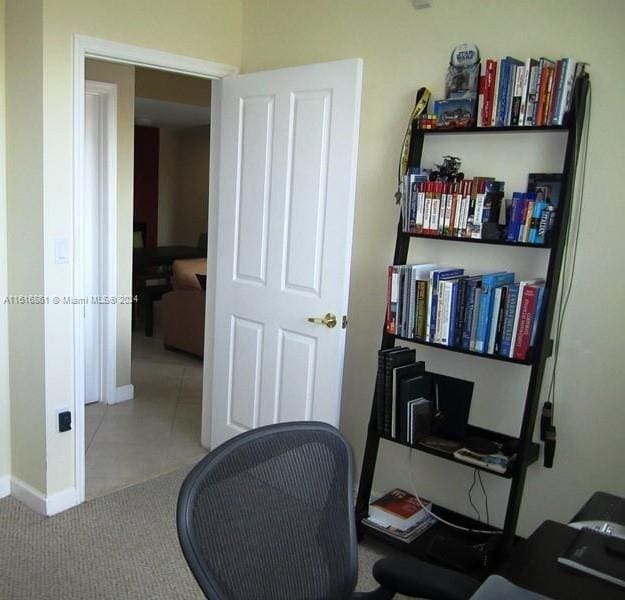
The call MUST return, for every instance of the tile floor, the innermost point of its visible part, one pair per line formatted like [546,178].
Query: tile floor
[156,432]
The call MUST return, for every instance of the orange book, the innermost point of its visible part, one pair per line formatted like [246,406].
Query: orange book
[546,73]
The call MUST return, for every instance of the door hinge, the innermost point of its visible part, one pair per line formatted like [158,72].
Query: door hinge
[344,322]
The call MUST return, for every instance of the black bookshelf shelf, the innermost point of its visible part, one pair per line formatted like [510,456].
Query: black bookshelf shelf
[473,431]
[493,129]
[420,546]
[527,361]
[447,238]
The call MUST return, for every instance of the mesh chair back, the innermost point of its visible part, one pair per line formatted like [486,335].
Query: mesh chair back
[269,515]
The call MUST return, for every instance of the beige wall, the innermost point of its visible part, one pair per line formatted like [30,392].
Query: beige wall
[172,87]
[5,414]
[124,77]
[24,81]
[39,106]
[183,185]
[404,49]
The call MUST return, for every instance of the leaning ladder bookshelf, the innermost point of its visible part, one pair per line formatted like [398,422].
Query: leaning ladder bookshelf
[528,450]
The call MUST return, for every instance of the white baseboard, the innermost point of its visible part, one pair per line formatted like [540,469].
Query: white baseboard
[61,501]
[124,392]
[27,494]
[5,486]
[44,505]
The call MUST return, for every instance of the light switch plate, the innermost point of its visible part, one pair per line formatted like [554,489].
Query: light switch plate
[61,251]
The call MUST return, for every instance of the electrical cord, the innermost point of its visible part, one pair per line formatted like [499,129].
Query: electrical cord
[437,517]
[479,477]
[477,512]
[575,232]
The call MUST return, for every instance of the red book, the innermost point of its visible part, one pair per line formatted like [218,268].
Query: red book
[526,318]
[489,96]
[391,301]
[398,509]
[554,92]
[546,66]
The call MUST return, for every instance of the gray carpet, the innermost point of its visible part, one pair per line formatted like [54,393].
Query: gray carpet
[119,546]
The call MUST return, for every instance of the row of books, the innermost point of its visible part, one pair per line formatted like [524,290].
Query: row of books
[531,218]
[488,313]
[531,93]
[403,388]
[475,209]
[400,515]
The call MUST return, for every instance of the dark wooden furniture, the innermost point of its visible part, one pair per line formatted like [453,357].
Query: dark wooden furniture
[527,450]
[163,255]
[533,565]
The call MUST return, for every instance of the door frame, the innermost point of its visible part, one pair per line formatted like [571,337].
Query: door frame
[89,47]
[107,194]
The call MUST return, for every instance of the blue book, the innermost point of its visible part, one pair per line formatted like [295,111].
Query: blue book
[489,282]
[538,209]
[472,284]
[435,276]
[514,223]
[453,313]
[508,324]
[536,317]
[502,92]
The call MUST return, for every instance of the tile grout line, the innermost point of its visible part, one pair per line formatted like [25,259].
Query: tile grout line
[97,429]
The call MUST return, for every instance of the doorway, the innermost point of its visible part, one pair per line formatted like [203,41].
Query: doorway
[284,195]
[186,371]
[152,425]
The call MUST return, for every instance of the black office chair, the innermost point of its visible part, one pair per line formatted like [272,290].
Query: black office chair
[270,515]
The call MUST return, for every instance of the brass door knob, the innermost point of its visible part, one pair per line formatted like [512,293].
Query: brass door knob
[329,320]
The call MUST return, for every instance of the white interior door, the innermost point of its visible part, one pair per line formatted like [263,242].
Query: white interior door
[93,244]
[286,185]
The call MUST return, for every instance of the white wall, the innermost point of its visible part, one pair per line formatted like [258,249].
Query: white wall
[39,107]
[124,77]
[172,87]
[5,414]
[24,131]
[183,185]
[404,49]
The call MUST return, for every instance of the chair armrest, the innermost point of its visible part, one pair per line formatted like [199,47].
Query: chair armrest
[413,577]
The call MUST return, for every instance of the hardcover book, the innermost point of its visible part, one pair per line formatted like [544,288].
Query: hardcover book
[398,509]
[598,555]
[489,283]
[400,374]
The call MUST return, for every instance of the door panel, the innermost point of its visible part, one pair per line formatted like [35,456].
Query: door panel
[253,187]
[296,376]
[307,197]
[246,353]
[285,200]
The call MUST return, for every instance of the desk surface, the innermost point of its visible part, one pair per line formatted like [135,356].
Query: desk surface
[533,565]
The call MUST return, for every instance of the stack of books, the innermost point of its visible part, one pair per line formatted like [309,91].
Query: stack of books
[475,209]
[537,92]
[489,313]
[400,515]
